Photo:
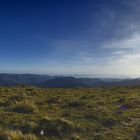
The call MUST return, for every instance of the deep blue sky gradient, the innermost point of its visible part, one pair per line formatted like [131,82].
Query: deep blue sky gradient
[66,36]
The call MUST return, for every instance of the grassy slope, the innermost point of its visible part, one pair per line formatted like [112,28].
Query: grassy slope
[70,114]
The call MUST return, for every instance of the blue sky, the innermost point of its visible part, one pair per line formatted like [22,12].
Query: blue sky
[70,36]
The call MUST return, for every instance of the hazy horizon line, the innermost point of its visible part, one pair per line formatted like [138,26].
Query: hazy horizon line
[120,76]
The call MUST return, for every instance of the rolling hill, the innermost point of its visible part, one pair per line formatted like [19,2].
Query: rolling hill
[63,81]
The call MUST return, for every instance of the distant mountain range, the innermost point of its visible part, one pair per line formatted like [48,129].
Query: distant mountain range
[48,81]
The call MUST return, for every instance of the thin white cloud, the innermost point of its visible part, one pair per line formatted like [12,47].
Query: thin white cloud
[120,57]
[133,42]
[125,58]
[126,50]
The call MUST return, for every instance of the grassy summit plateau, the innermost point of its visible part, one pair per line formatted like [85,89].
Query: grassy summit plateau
[30,113]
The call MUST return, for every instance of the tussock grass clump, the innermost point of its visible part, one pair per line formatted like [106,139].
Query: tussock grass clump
[25,106]
[90,116]
[77,104]
[109,121]
[57,127]
[137,133]
[133,103]
[53,100]
[3,135]
[75,137]
[3,102]
[28,127]
[16,135]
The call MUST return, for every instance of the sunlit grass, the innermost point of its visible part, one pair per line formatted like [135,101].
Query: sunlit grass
[71,114]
